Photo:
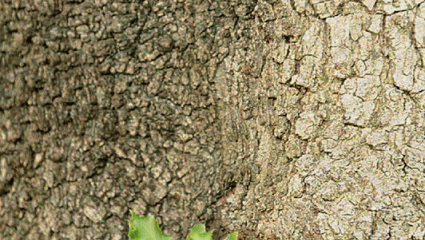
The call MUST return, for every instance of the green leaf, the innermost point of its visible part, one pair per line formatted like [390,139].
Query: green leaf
[232,236]
[145,228]
[198,233]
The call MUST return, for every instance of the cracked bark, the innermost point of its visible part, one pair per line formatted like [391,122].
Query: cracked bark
[289,119]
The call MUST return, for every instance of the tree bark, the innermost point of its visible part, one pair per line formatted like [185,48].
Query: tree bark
[288,119]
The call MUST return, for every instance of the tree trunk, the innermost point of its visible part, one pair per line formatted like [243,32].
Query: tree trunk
[288,119]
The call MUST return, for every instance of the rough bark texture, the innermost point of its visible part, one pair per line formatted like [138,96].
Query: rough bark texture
[282,119]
